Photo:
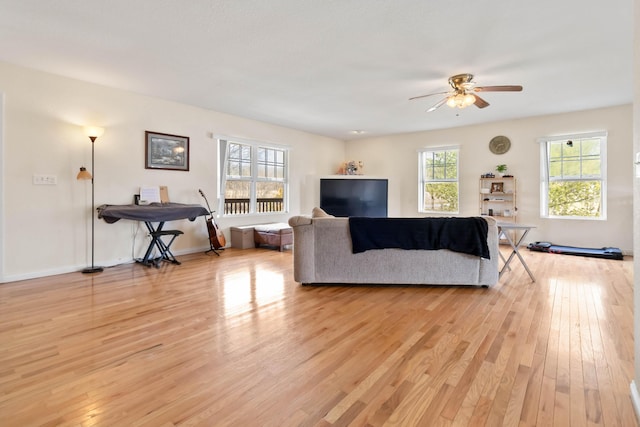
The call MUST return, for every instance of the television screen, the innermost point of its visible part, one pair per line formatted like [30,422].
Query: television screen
[354,197]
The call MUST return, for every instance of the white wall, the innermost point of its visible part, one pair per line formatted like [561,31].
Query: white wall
[635,395]
[396,157]
[47,227]
[2,182]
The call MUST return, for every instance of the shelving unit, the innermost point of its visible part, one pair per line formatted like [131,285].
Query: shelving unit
[498,198]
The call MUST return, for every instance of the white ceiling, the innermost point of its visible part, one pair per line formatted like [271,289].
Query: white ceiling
[333,66]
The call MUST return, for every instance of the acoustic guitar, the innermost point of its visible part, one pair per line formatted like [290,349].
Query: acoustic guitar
[216,238]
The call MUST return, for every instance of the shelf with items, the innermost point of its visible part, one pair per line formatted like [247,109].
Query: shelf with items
[498,198]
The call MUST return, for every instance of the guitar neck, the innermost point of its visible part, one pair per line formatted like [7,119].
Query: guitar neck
[207,202]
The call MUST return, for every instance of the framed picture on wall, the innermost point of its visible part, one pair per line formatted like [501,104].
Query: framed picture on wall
[164,151]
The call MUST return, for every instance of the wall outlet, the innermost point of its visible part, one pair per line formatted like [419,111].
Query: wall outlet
[45,179]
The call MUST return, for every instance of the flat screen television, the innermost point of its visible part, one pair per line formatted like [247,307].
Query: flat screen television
[354,197]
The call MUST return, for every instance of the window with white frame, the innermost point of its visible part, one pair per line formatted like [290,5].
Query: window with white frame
[253,177]
[574,179]
[439,190]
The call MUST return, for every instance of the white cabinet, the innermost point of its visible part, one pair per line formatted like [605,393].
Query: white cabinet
[498,198]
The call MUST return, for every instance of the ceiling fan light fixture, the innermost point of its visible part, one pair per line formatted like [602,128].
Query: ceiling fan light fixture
[461,95]
[469,99]
[461,100]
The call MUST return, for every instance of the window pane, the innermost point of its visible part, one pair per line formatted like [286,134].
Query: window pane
[239,161]
[245,170]
[452,171]
[428,160]
[441,197]
[591,168]
[575,185]
[555,169]
[262,171]
[255,180]
[428,174]
[237,197]
[571,168]
[570,151]
[270,196]
[575,198]
[234,151]
[579,160]
[555,150]
[233,169]
[440,181]
[590,147]
[270,164]
[438,172]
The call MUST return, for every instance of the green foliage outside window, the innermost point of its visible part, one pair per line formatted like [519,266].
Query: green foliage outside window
[440,175]
[575,178]
[575,198]
[441,197]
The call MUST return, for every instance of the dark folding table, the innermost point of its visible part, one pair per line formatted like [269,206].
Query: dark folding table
[151,214]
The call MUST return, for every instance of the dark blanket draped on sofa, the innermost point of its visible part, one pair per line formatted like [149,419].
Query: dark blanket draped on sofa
[466,235]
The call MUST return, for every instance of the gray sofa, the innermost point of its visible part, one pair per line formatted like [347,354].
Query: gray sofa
[322,253]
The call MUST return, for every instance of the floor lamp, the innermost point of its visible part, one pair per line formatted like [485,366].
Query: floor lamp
[93,133]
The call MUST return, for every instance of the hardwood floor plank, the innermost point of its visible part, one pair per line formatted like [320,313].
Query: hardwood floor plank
[471,399]
[233,340]
[353,396]
[576,375]
[532,397]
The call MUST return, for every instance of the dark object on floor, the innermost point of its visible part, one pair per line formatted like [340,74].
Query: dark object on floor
[608,253]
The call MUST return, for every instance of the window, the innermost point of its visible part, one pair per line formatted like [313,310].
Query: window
[253,177]
[439,180]
[573,183]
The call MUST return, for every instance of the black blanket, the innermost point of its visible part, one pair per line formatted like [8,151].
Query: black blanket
[466,235]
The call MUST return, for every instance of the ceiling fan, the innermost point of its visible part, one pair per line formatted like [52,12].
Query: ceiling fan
[463,94]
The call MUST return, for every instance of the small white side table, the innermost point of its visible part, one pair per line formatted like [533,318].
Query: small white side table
[503,228]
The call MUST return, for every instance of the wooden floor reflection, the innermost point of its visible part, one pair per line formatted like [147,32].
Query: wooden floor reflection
[234,341]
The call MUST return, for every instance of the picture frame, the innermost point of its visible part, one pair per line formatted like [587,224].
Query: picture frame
[497,187]
[166,151]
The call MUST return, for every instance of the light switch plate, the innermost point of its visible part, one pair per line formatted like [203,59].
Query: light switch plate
[39,179]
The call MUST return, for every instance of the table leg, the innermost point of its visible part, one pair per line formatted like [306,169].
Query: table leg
[504,261]
[515,252]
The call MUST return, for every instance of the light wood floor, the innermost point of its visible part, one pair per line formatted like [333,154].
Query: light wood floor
[234,341]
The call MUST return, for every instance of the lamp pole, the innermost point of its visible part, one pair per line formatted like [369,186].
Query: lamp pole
[93,134]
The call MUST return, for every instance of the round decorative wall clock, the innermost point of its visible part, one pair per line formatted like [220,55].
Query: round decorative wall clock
[499,144]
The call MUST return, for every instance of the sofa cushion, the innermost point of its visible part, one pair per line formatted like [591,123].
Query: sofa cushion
[320,213]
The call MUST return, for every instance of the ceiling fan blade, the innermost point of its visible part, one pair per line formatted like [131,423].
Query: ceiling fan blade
[424,96]
[505,88]
[438,105]
[480,103]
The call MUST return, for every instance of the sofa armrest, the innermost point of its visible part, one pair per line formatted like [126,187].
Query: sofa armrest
[295,221]
[303,249]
